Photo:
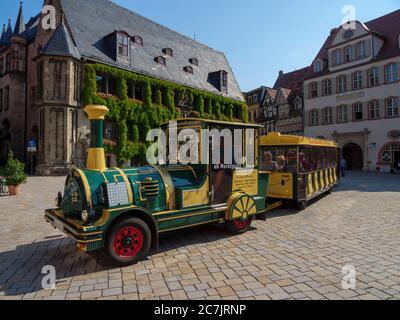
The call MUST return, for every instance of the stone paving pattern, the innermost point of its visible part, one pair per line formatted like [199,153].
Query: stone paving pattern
[293,255]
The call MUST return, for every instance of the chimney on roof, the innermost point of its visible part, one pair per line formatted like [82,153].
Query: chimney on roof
[280,73]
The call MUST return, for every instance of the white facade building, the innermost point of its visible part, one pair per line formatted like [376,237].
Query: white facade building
[352,93]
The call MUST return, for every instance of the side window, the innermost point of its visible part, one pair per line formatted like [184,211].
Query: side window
[303,156]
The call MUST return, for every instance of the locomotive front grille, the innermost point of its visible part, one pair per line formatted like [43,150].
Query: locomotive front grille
[150,188]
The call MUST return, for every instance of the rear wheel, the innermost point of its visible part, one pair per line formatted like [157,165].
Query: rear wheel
[239,226]
[128,242]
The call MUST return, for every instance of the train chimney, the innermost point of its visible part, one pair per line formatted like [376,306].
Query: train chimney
[96,157]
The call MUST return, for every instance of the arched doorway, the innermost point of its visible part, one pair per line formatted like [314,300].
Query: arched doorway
[354,156]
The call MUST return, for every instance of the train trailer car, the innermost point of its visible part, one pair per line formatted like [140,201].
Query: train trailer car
[121,212]
[300,168]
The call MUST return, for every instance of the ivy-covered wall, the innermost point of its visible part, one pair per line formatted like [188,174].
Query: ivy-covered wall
[138,117]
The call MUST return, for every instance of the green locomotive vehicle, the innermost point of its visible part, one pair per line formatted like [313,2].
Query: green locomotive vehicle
[121,212]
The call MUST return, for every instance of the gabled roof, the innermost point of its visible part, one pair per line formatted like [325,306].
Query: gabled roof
[61,44]
[92,20]
[386,27]
[291,80]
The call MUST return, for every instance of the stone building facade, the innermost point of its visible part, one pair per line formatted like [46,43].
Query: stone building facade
[42,74]
[352,93]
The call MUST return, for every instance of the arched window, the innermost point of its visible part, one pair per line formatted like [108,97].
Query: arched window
[388,153]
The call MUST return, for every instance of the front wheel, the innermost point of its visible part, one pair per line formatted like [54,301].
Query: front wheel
[237,227]
[128,242]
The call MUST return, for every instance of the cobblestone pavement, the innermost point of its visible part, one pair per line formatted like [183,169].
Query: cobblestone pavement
[293,255]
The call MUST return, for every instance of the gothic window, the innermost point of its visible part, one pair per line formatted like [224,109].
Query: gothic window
[40,67]
[7,98]
[77,81]
[57,131]
[74,127]
[8,62]
[58,87]
[41,132]
[2,71]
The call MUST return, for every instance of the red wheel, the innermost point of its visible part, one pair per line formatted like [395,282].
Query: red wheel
[239,226]
[128,242]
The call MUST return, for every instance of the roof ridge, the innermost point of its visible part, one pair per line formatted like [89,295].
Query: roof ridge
[164,27]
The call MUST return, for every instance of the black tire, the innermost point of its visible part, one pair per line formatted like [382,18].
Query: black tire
[302,205]
[137,243]
[233,228]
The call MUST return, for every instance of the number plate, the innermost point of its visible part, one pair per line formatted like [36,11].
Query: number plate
[59,225]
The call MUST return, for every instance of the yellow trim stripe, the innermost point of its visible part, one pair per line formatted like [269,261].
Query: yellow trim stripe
[86,186]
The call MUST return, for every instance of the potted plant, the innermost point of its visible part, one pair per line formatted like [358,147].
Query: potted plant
[14,173]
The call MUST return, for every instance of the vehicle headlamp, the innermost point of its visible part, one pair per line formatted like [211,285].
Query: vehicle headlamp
[85,216]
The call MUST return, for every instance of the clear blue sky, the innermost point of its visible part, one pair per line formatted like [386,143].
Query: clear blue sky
[259,37]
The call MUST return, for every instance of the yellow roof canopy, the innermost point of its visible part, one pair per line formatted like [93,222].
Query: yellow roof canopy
[277,139]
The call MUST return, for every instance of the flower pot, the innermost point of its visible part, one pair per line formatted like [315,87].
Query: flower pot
[14,190]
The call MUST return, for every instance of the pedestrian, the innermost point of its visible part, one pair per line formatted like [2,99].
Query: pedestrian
[343,167]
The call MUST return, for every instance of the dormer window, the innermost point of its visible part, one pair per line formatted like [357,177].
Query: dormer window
[361,50]
[348,54]
[224,81]
[188,69]
[168,52]
[337,56]
[138,40]
[194,61]
[317,66]
[123,44]
[161,60]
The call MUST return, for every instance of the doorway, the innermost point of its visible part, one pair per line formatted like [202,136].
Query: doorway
[354,156]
